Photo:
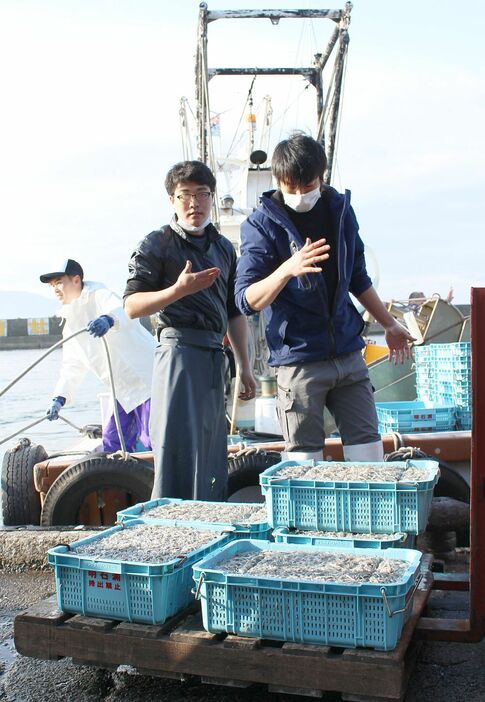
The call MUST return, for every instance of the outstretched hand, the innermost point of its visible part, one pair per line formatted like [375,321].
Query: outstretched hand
[190,283]
[305,260]
[398,340]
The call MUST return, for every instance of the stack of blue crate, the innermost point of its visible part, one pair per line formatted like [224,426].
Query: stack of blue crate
[443,376]
[319,611]
[415,416]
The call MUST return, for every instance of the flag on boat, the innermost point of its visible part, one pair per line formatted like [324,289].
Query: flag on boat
[215,123]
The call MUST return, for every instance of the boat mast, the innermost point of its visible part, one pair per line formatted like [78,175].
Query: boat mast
[327,109]
[184,130]
[201,83]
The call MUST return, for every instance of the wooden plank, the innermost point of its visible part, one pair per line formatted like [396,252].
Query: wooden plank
[27,642]
[145,631]
[91,623]
[266,665]
[47,611]
[301,691]
[310,650]
[442,629]
[153,631]
[451,581]
[192,631]
[366,698]
[163,674]
[94,664]
[183,651]
[225,682]
[232,641]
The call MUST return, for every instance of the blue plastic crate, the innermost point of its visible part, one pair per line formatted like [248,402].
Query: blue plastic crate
[456,349]
[333,614]
[463,419]
[443,373]
[283,535]
[243,530]
[446,393]
[135,592]
[415,416]
[362,507]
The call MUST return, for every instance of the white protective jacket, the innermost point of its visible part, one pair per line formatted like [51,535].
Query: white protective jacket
[130,345]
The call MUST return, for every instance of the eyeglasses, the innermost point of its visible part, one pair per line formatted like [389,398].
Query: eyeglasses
[202,196]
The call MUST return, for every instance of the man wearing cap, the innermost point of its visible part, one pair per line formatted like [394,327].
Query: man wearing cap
[91,306]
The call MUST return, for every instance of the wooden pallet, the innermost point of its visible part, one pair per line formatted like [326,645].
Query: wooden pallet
[180,648]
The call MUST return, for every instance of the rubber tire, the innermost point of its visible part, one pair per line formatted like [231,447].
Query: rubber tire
[451,484]
[244,471]
[67,493]
[21,501]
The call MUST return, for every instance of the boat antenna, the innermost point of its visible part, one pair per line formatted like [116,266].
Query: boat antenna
[251,118]
[184,131]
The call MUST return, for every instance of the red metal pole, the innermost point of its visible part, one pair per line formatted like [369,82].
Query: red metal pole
[477,466]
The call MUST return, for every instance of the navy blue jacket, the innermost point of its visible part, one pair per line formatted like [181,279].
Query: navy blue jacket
[300,327]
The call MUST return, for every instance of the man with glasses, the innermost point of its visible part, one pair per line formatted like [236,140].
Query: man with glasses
[185,272]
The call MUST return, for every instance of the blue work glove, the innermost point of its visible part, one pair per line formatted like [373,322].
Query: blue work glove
[100,325]
[55,408]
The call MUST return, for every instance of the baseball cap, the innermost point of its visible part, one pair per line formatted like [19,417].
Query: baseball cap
[69,267]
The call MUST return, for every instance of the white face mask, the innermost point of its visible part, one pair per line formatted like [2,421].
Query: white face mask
[190,227]
[302,202]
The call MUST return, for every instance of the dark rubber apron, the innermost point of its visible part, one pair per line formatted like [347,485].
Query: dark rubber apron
[187,423]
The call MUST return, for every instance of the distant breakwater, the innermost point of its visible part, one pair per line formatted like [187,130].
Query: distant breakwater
[31,333]
[37,332]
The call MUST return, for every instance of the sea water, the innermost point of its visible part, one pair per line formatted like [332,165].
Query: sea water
[30,398]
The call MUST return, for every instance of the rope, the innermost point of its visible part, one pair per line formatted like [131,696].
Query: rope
[284,112]
[405,453]
[71,424]
[303,49]
[113,394]
[247,451]
[29,426]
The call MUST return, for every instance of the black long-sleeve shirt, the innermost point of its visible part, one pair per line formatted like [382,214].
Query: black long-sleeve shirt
[158,261]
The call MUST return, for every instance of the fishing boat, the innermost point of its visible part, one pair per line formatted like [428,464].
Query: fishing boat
[57,489]
[241,181]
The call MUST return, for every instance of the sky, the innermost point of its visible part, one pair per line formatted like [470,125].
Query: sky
[89,126]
